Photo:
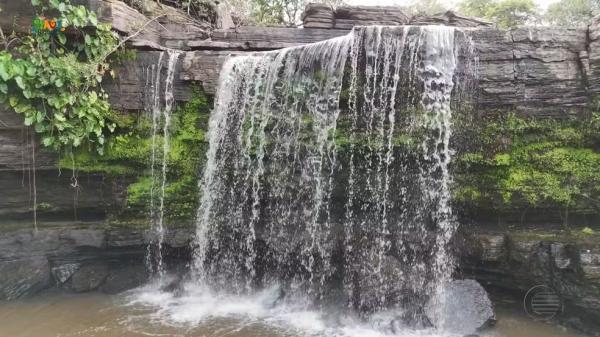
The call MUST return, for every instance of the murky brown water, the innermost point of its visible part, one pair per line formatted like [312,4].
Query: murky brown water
[98,315]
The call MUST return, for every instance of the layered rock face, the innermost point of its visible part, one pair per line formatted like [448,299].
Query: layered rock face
[540,71]
[346,17]
[531,71]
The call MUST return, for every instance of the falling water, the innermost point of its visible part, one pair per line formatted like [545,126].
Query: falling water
[160,107]
[328,171]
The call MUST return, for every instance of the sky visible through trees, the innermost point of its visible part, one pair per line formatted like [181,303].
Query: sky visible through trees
[505,13]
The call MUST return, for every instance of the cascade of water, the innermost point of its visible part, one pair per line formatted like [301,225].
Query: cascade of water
[160,108]
[396,243]
[269,172]
[328,170]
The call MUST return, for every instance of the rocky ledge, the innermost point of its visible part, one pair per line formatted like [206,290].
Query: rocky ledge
[517,260]
[79,258]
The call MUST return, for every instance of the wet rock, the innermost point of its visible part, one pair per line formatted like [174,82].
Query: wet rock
[450,18]
[369,290]
[179,237]
[560,255]
[174,286]
[89,277]
[493,247]
[590,265]
[23,277]
[85,237]
[125,238]
[466,308]
[318,16]
[63,272]
[416,319]
[124,278]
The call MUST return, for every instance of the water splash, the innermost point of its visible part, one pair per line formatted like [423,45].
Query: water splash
[328,171]
[159,103]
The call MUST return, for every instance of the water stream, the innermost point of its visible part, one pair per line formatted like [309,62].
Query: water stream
[159,104]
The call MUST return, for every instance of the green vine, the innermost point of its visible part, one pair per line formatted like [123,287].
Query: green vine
[52,78]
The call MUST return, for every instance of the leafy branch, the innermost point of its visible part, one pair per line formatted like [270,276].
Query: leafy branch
[53,78]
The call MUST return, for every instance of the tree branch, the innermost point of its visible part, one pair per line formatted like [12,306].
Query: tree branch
[138,32]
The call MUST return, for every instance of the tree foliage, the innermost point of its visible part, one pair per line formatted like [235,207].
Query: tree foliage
[276,12]
[572,12]
[476,8]
[53,78]
[505,13]
[273,12]
[427,7]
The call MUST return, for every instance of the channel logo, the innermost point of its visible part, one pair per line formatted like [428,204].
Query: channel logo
[542,303]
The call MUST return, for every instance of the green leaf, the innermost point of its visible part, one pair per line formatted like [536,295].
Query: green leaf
[29,120]
[88,39]
[3,88]
[58,82]
[20,82]
[47,141]
[93,97]
[39,128]
[13,101]
[17,69]
[62,38]
[40,116]
[31,70]
[4,72]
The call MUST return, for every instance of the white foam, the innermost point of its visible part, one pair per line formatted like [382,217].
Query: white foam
[198,305]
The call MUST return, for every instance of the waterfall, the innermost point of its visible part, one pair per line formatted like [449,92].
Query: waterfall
[328,170]
[159,103]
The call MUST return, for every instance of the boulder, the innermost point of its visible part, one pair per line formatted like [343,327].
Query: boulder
[89,277]
[62,273]
[124,278]
[464,308]
[23,277]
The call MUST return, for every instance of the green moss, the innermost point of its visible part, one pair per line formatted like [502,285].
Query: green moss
[128,155]
[530,163]
[187,149]
[587,231]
